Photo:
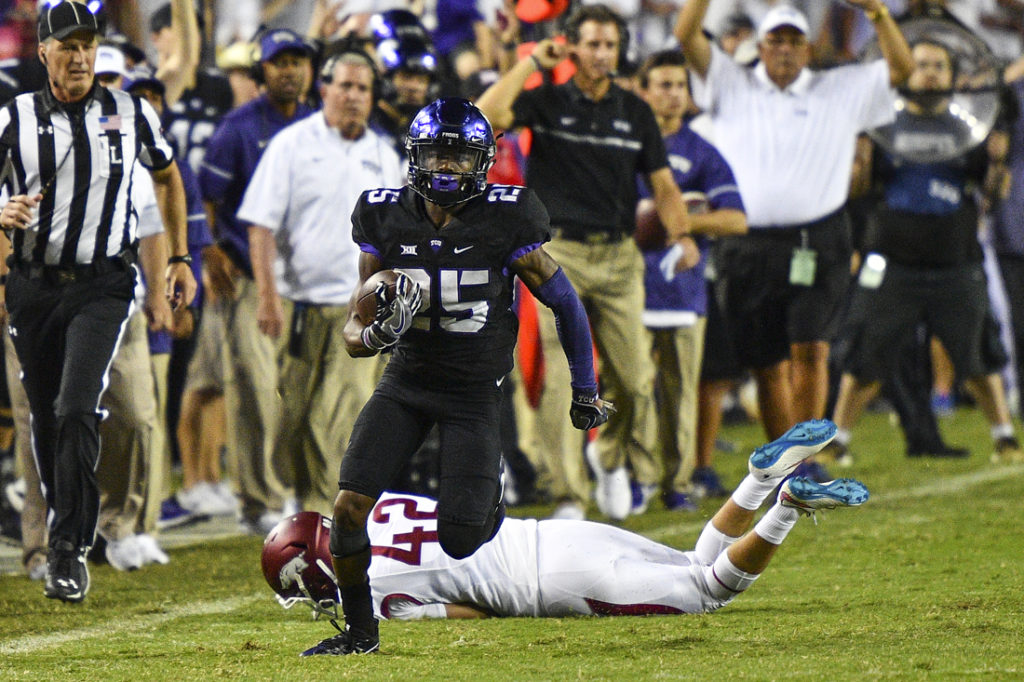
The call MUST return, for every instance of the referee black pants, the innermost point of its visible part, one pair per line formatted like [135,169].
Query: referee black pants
[66,326]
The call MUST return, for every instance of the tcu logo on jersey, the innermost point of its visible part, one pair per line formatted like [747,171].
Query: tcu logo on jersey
[380,196]
[504,193]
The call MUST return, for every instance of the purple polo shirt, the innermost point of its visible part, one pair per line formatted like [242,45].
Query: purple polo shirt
[231,157]
[697,167]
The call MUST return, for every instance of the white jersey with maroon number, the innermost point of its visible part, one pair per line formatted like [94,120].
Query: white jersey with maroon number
[409,570]
[531,568]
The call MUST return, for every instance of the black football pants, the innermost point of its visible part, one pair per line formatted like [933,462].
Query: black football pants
[66,333]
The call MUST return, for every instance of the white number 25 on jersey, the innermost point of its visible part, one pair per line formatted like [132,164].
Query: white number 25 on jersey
[453,283]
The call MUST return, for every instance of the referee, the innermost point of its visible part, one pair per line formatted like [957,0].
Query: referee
[70,151]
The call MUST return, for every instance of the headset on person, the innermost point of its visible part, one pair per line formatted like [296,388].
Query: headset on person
[347,46]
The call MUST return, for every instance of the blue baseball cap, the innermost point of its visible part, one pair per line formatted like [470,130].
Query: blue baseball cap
[278,40]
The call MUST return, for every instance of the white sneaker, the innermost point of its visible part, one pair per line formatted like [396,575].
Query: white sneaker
[261,526]
[150,549]
[190,498]
[124,555]
[611,490]
[569,511]
[223,491]
[204,499]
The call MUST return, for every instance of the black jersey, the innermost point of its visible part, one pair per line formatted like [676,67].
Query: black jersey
[466,329]
[194,117]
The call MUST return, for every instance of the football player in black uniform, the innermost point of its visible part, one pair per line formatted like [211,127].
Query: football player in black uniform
[458,243]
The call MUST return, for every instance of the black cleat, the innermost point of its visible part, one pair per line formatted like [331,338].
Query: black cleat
[940,450]
[67,576]
[347,641]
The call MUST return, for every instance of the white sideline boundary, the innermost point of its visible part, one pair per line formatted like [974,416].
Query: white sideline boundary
[33,643]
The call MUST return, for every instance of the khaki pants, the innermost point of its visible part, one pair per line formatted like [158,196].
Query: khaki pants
[159,480]
[609,280]
[677,356]
[252,405]
[33,516]
[323,390]
[130,439]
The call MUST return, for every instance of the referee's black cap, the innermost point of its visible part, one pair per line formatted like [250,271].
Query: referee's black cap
[61,20]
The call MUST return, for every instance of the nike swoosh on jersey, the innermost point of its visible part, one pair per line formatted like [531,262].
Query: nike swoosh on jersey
[464,248]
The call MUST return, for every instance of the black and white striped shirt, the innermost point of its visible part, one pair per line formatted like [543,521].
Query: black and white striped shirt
[83,171]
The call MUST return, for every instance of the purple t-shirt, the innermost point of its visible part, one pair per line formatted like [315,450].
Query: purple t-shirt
[231,157]
[697,167]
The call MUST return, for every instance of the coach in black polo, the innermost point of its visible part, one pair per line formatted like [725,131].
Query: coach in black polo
[591,141]
[70,152]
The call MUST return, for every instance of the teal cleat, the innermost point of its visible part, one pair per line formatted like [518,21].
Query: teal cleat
[807,496]
[782,455]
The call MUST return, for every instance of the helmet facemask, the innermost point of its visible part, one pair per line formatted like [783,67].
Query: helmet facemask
[448,174]
[451,148]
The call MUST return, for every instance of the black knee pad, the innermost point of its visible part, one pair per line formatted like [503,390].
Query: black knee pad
[460,540]
[348,543]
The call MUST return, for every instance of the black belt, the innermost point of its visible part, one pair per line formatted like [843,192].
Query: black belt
[790,232]
[66,274]
[589,236]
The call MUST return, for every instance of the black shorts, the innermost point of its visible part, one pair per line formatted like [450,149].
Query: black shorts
[720,362]
[764,312]
[951,301]
[393,424]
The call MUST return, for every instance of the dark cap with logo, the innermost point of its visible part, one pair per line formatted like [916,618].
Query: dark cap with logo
[61,20]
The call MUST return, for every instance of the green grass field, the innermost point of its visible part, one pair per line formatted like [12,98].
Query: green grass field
[923,582]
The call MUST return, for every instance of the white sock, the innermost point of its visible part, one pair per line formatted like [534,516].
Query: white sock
[711,543]
[843,436]
[751,493]
[776,523]
[726,580]
[1002,431]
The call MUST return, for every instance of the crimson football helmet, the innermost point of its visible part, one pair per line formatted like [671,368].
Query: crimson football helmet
[296,562]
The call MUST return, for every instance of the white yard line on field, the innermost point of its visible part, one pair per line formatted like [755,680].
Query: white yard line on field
[32,643]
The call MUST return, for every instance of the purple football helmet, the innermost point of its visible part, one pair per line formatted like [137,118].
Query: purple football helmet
[451,148]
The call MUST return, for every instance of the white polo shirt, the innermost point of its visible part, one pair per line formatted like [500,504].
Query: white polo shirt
[303,190]
[792,150]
